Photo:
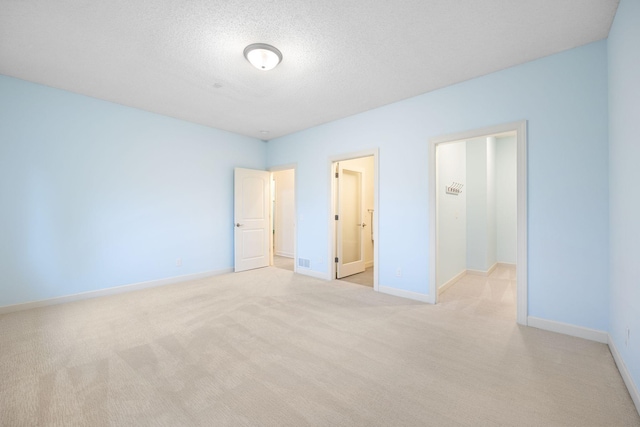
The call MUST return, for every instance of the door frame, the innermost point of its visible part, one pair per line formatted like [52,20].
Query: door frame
[520,127]
[271,170]
[332,207]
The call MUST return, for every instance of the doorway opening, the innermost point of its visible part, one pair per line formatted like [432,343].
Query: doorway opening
[283,219]
[477,220]
[353,234]
[264,218]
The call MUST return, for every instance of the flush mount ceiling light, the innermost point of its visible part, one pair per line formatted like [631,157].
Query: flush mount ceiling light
[262,56]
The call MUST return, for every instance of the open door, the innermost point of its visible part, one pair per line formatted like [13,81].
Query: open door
[251,219]
[350,224]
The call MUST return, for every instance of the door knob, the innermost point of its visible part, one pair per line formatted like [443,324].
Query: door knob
[238,225]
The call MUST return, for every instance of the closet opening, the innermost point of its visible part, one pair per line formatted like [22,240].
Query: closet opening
[478,220]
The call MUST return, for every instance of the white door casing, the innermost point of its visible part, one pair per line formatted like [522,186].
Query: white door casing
[251,219]
[350,224]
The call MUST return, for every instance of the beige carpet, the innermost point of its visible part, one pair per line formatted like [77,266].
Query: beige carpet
[365,278]
[283,262]
[493,296]
[271,348]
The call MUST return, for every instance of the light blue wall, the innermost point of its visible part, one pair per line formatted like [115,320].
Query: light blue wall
[506,200]
[452,212]
[624,152]
[564,99]
[95,195]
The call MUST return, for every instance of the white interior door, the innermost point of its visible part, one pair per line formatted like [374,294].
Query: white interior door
[350,225]
[251,219]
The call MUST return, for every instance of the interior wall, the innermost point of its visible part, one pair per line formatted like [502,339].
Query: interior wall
[285,211]
[564,99]
[482,208]
[624,157]
[96,195]
[486,218]
[367,165]
[492,231]
[477,193]
[506,200]
[452,211]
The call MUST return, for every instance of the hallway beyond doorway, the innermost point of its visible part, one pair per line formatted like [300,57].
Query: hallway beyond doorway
[283,262]
[486,296]
[365,278]
[484,233]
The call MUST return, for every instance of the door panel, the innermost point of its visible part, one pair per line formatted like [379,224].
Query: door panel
[350,234]
[251,219]
[351,230]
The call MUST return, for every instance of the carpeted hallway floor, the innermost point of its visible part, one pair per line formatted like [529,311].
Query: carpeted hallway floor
[272,348]
[282,262]
[365,278]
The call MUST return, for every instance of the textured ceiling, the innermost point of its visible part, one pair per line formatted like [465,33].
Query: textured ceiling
[183,58]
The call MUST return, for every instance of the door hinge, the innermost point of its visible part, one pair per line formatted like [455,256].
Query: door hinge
[336,217]
[337,175]
[336,258]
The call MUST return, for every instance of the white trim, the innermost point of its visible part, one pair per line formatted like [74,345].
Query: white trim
[463,273]
[483,273]
[111,291]
[313,273]
[451,281]
[404,294]
[284,167]
[433,223]
[520,128]
[522,304]
[285,254]
[375,152]
[624,373]
[272,245]
[568,329]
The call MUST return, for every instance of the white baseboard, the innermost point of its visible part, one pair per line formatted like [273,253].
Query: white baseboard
[284,254]
[483,273]
[404,294]
[111,291]
[624,373]
[312,273]
[451,281]
[463,273]
[568,329]
[492,268]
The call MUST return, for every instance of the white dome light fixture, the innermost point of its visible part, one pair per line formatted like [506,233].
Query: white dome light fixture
[262,56]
